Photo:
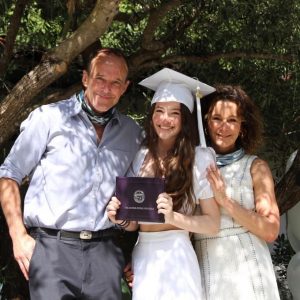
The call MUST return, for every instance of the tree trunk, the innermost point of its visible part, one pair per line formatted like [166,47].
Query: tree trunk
[288,188]
[54,64]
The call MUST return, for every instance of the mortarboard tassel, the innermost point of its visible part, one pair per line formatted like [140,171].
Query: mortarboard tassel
[199,118]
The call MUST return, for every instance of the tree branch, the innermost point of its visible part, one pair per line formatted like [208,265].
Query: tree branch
[149,61]
[156,15]
[12,32]
[71,7]
[54,64]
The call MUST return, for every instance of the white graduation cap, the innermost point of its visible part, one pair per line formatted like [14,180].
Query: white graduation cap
[170,85]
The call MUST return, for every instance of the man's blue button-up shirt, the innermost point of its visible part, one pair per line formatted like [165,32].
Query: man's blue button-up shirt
[72,177]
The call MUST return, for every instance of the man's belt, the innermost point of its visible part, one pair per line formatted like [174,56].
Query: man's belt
[80,235]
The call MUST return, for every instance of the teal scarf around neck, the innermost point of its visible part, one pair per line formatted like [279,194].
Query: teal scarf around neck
[96,118]
[226,159]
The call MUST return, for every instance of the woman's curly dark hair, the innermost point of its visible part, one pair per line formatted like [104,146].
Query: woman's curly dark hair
[179,162]
[250,137]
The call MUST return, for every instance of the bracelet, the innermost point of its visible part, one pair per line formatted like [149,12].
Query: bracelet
[124,224]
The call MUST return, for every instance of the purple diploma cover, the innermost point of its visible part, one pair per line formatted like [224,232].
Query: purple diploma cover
[138,197]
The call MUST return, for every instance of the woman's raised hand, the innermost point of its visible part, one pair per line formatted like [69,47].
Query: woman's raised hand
[217,184]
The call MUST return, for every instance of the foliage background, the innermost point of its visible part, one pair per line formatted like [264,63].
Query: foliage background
[254,44]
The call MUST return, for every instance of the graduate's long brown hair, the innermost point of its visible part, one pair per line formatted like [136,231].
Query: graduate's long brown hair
[179,162]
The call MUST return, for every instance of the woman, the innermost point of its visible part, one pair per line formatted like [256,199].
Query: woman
[236,264]
[164,263]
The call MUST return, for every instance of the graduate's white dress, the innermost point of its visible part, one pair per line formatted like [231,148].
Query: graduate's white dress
[236,264]
[164,263]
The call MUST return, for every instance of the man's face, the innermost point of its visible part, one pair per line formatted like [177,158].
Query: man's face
[105,83]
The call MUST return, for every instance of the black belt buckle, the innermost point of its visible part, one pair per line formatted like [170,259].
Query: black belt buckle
[85,235]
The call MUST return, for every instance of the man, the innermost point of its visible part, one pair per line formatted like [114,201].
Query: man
[73,150]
